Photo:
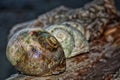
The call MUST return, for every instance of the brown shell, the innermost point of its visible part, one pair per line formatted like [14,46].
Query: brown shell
[36,52]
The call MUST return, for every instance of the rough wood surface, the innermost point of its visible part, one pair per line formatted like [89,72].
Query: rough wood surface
[103,60]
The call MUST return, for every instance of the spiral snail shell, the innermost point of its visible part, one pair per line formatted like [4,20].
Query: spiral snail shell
[36,52]
[71,39]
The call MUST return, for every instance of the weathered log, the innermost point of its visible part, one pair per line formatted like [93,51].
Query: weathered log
[103,60]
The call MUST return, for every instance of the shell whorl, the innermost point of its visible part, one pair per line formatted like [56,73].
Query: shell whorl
[79,27]
[71,38]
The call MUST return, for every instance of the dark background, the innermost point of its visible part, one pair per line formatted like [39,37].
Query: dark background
[17,11]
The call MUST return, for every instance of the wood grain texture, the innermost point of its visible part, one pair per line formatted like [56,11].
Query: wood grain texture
[103,60]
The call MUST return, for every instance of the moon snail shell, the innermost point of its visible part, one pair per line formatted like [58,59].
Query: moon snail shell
[36,52]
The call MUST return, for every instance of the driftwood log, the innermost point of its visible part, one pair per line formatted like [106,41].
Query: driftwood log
[102,62]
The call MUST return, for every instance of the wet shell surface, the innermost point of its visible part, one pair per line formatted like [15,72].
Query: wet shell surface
[36,52]
[72,40]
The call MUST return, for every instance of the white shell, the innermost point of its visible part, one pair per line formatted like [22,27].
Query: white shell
[72,40]
[64,35]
